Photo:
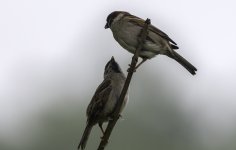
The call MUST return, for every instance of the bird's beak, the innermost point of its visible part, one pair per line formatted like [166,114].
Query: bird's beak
[106,26]
[112,58]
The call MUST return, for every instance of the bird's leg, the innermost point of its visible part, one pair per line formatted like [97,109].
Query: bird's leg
[100,126]
[128,70]
[144,59]
[103,132]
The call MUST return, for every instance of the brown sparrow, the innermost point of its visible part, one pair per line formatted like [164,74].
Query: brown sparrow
[101,107]
[126,29]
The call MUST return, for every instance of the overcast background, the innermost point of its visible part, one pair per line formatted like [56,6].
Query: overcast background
[52,57]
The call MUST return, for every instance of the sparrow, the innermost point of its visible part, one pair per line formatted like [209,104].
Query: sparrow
[102,106]
[126,29]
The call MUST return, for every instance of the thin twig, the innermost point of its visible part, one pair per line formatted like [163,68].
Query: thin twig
[111,124]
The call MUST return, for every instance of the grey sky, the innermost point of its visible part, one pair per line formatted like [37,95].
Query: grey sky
[48,46]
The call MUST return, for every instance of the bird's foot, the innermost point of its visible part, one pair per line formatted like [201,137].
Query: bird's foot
[128,70]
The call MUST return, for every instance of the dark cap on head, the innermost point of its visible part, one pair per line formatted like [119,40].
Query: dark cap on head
[112,16]
[112,65]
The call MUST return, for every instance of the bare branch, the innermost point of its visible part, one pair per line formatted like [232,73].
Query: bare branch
[131,70]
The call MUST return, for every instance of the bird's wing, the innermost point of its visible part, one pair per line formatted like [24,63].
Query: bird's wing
[99,99]
[161,33]
[140,22]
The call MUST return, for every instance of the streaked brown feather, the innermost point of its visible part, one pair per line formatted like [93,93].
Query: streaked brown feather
[98,101]
[140,22]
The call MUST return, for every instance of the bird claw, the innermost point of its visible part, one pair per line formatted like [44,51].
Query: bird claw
[128,70]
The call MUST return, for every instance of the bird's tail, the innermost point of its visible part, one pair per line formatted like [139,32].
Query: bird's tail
[183,62]
[85,136]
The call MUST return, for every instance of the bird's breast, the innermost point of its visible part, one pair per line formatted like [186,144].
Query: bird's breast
[126,35]
[114,97]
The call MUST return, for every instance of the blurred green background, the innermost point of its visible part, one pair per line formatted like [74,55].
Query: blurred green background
[52,57]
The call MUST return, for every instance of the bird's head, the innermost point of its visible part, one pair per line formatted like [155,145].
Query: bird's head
[112,67]
[114,17]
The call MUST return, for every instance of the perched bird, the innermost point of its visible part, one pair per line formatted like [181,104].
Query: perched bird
[101,107]
[126,29]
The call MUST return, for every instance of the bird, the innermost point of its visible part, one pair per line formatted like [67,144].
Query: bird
[126,29]
[103,104]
